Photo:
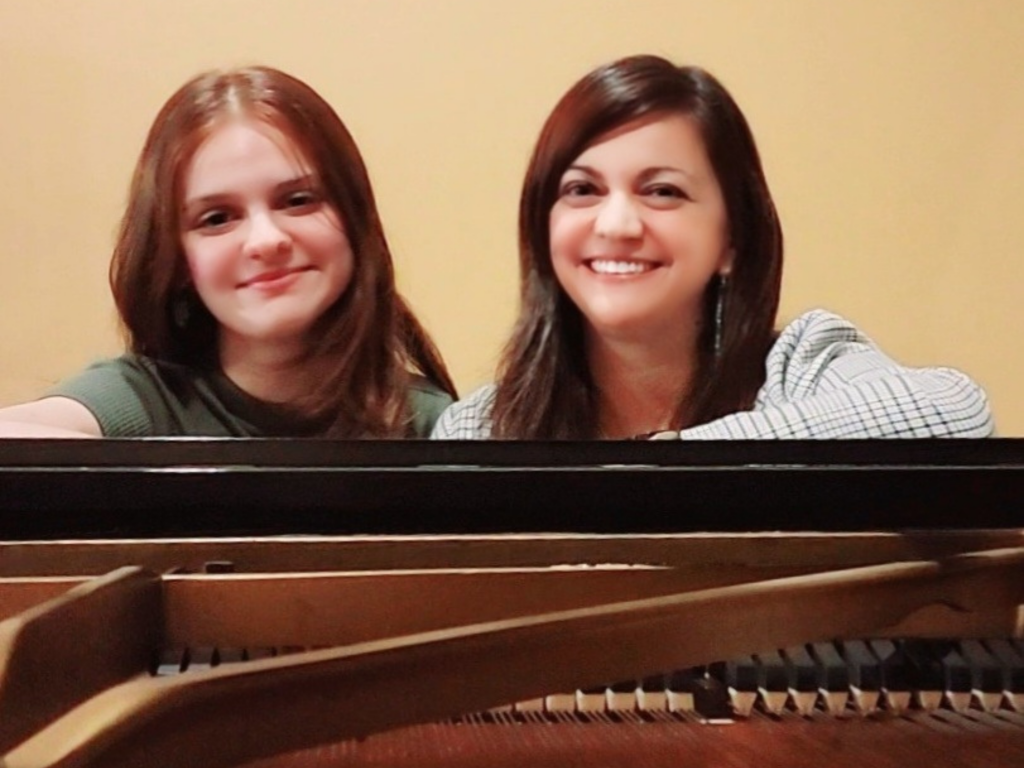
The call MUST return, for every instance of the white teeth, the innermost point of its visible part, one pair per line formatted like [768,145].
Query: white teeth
[609,267]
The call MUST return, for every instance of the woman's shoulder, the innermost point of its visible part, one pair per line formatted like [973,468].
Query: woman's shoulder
[427,402]
[110,373]
[813,339]
[423,389]
[469,418]
[138,396]
[116,391]
[819,325]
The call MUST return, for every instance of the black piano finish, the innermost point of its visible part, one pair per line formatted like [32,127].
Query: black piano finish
[56,489]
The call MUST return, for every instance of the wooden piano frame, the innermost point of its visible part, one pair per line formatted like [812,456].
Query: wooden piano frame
[521,614]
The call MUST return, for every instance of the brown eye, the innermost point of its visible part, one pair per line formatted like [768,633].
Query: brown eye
[578,189]
[666,191]
[213,220]
[302,199]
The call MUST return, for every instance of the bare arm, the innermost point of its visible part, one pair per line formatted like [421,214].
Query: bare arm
[49,417]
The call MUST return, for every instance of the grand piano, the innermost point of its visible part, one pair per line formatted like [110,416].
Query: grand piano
[313,602]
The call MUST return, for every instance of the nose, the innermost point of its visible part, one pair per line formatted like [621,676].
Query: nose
[619,218]
[266,240]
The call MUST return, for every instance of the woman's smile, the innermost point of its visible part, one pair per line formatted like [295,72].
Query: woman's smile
[640,230]
[620,267]
[277,280]
[266,251]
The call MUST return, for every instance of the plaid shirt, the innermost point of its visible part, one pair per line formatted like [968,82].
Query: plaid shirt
[825,379]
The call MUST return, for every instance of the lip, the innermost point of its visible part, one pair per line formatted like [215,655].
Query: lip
[273,279]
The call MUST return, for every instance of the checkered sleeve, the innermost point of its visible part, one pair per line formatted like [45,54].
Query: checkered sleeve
[826,379]
[468,419]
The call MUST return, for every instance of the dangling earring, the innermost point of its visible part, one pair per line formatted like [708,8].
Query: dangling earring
[181,309]
[723,286]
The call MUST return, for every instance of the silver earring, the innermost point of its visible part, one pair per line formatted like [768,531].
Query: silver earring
[723,286]
[181,310]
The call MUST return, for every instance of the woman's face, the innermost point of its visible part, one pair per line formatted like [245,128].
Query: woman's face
[266,252]
[638,230]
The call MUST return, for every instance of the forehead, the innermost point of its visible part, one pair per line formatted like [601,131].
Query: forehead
[243,146]
[672,140]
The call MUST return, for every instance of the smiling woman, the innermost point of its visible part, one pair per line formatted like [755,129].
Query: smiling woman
[266,253]
[650,272]
[638,230]
[254,284]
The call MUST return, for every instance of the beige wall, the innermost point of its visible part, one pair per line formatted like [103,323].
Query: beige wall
[891,131]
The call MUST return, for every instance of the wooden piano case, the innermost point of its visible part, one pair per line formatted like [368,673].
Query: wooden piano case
[358,593]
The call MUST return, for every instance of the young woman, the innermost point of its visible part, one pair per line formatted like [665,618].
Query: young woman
[651,263]
[254,284]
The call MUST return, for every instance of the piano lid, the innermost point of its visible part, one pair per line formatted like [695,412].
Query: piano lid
[146,488]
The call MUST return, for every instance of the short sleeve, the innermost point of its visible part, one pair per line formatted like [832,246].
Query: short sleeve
[114,391]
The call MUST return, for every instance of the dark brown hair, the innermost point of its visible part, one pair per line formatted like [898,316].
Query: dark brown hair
[368,339]
[544,388]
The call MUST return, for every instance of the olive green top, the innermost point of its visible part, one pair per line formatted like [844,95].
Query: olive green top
[133,396]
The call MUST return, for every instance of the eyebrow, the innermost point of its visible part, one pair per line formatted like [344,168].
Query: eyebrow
[647,173]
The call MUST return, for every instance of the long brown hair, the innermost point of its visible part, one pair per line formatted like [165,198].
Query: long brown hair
[369,338]
[544,388]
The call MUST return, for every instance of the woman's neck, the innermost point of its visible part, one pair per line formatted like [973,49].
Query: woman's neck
[640,385]
[275,373]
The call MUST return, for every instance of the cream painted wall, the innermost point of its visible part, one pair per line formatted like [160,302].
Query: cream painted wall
[891,131]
